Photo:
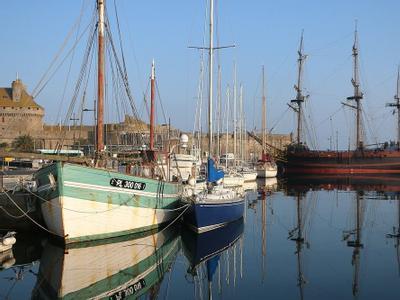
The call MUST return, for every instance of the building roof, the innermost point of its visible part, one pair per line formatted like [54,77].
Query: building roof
[25,101]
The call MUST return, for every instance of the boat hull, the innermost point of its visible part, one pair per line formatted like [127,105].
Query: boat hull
[249,176]
[209,215]
[233,181]
[345,162]
[84,204]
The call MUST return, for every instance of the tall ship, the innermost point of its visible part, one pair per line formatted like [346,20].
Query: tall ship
[299,159]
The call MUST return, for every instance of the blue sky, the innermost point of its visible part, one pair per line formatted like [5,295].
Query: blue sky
[265,32]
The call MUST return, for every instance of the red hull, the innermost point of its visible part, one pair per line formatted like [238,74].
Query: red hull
[343,163]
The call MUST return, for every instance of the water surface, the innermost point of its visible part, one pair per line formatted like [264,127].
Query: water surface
[304,240]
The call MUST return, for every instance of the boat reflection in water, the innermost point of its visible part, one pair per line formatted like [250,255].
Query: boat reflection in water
[250,186]
[207,252]
[379,183]
[117,270]
[299,234]
[18,265]
[268,185]
[353,239]
[363,188]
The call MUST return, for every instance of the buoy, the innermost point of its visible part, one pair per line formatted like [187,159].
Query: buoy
[8,241]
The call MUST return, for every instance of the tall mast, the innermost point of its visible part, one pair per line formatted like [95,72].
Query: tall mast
[152,105]
[100,78]
[396,104]
[357,93]
[228,96]
[397,98]
[299,89]
[210,80]
[234,113]
[219,113]
[241,122]
[264,111]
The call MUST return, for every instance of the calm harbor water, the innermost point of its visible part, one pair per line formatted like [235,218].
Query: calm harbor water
[307,239]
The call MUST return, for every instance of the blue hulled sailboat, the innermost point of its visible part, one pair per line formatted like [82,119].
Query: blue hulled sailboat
[216,206]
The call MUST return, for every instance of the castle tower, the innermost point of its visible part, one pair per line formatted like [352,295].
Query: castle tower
[17,89]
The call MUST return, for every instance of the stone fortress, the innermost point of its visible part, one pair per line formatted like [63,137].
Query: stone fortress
[21,115]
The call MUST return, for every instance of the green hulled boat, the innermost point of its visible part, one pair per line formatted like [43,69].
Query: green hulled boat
[82,203]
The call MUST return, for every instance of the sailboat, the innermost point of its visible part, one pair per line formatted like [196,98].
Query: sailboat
[85,203]
[299,159]
[232,178]
[216,206]
[266,166]
[249,174]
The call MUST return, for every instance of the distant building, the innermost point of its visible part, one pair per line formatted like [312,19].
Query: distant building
[19,113]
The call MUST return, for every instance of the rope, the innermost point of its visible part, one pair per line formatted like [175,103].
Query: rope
[161,102]
[13,216]
[186,206]
[61,63]
[77,22]
[69,69]
[31,219]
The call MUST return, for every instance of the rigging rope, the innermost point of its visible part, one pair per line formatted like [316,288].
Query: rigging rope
[40,89]
[69,68]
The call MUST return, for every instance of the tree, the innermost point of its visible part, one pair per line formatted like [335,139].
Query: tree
[23,143]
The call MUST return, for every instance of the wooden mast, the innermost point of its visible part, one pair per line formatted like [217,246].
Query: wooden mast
[263,118]
[152,106]
[357,93]
[396,104]
[100,79]
[299,92]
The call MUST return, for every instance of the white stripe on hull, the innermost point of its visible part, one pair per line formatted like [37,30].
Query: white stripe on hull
[74,218]
[115,189]
[207,228]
